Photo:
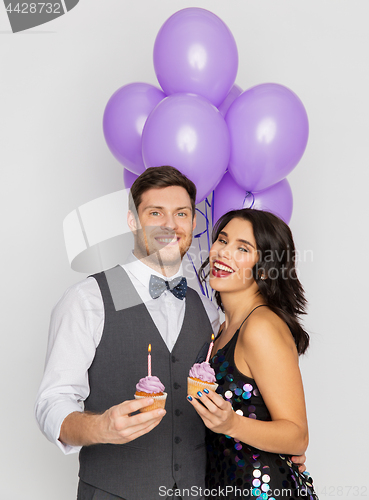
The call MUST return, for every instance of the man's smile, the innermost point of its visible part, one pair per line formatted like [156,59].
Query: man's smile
[167,240]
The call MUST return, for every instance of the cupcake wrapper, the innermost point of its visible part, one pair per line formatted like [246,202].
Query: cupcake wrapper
[193,386]
[159,402]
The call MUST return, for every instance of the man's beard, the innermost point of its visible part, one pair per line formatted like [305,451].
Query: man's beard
[166,256]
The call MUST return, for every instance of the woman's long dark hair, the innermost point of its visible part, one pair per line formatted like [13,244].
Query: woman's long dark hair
[275,271]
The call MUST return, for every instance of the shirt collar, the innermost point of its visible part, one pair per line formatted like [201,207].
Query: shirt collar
[142,272]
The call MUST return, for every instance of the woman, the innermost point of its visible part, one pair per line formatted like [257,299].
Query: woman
[258,418]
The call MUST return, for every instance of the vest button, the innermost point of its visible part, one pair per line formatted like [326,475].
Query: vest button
[178,412]
[176,385]
[177,440]
[176,467]
[174,359]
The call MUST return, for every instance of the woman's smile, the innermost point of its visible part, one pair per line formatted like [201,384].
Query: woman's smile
[221,270]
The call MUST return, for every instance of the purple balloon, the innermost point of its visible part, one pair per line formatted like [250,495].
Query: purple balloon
[124,118]
[195,52]
[128,178]
[269,129]
[232,95]
[228,195]
[187,132]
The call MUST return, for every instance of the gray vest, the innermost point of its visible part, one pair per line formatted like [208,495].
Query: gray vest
[173,452]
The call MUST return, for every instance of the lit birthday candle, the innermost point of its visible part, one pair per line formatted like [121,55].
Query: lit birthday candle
[149,361]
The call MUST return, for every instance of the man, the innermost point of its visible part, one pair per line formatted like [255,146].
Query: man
[97,352]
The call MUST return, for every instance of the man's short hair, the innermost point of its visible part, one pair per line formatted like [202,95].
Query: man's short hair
[158,178]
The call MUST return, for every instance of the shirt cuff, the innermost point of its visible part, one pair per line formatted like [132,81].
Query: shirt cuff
[53,423]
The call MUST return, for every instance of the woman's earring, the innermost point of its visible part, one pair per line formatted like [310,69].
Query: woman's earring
[261,275]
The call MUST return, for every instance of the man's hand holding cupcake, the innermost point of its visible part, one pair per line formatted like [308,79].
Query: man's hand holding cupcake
[123,427]
[116,425]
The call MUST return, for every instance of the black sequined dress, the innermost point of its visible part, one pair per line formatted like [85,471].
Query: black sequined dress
[248,472]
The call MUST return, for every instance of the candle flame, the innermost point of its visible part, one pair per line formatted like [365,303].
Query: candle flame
[212,337]
[149,348]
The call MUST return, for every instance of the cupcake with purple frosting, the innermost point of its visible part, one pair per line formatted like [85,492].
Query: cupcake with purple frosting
[201,376]
[151,387]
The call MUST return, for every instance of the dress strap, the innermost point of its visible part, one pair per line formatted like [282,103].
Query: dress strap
[261,305]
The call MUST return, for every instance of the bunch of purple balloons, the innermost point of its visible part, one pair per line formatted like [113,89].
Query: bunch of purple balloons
[241,145]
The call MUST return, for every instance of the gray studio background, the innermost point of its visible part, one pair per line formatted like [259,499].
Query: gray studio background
[55,81]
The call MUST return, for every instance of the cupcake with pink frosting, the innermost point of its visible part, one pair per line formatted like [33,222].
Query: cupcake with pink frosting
[151,387]
[201,376]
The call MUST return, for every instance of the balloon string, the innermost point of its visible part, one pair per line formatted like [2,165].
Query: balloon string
[197,236]
[207,204]
[212,209]
[248,193]
[206,285]
[207,224]
[204,292]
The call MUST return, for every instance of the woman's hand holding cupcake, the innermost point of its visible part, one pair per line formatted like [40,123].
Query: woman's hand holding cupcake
[201,376]
[216,413]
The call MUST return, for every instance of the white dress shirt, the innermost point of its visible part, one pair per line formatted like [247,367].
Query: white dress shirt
[76,327]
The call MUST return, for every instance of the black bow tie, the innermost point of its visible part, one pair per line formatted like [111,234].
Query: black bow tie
[178,287]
